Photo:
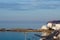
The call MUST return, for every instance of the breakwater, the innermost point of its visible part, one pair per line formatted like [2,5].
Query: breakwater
[24,30]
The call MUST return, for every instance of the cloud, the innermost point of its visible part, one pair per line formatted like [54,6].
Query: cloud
[30,5]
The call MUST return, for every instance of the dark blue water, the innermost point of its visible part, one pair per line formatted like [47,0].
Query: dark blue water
[19,35]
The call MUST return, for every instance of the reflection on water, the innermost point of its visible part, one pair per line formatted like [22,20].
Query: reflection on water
[17,36]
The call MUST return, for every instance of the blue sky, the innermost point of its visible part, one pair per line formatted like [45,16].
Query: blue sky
[29,10]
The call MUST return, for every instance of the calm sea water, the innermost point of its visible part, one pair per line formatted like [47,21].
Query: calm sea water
[19,35]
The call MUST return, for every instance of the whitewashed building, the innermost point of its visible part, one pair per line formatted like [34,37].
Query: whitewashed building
[55,25]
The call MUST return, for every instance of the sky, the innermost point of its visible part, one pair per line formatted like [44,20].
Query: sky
[29,10]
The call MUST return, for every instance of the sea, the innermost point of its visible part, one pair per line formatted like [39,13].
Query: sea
[20,35]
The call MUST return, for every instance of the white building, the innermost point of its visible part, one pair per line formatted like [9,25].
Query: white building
[55,25]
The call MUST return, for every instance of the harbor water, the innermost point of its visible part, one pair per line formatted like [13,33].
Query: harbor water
[19,35]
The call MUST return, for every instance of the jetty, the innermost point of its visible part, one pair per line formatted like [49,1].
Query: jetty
[24,30]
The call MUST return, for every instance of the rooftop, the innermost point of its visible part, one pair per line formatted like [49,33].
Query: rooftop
[54,21]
